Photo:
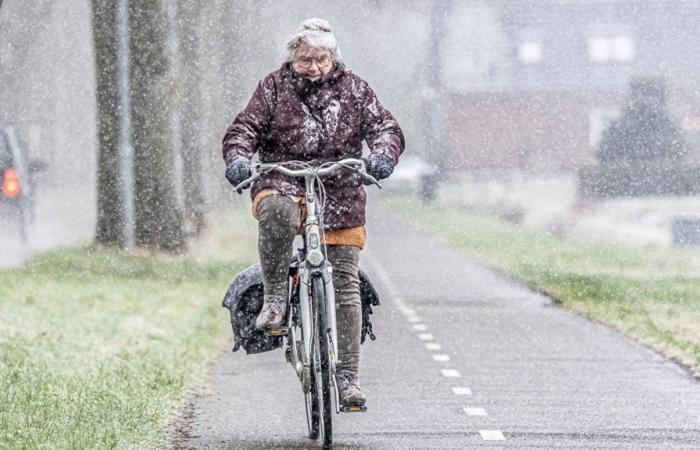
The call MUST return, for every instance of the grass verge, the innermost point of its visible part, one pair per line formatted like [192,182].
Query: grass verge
[651,293]
[98,349]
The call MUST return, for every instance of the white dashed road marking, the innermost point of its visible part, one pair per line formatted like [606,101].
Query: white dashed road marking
[461,391]
[492,435]
[475,411]
[411,317]
[450,373]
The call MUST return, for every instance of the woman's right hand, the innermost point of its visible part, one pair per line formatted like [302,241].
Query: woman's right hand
[379,165]
[238,170]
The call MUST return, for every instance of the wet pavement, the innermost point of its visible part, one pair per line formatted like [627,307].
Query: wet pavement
[465,358]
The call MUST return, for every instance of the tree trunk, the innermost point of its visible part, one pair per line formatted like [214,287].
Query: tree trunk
[435,118]
[109,220]
[190,114]
[159,222]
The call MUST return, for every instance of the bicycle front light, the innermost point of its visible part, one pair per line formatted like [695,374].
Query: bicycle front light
[315,258]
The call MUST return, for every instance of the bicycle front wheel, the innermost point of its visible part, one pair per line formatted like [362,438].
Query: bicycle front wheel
[314,399]
[323,372]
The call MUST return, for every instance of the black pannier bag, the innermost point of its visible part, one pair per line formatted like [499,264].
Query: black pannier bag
[369,298]
[244,300]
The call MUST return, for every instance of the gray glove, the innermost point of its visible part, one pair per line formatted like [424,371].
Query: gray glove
[379,165]
[238,170]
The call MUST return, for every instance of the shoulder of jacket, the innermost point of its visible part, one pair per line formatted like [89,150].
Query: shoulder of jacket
[270,85]
[272,78]
[359,87]
[355,78]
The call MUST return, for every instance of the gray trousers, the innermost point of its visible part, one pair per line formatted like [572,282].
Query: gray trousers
[279,218]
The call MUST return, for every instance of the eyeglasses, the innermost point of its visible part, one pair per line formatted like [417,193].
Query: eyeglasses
[306,62]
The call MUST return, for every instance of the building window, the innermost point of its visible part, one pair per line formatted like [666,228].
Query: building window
[623,48]
[612,44]
[530,47]
[599,49]
[530,52]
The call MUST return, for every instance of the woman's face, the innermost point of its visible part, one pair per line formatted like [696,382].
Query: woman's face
[311,62]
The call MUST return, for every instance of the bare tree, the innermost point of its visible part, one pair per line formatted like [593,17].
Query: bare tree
[434,117]
[188,23]
[159,221]
[25,36]
[109,219]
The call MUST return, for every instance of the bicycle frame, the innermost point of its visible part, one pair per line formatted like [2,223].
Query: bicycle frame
[314,264]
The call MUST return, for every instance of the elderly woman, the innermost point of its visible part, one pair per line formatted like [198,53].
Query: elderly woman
[314,109]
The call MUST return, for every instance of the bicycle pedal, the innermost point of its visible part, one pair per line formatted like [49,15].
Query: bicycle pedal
[281,331]
[353,409]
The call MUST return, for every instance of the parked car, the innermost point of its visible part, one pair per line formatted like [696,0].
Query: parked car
[16,201]
[415,175]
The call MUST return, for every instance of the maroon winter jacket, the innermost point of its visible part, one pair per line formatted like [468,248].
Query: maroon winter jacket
[293,118]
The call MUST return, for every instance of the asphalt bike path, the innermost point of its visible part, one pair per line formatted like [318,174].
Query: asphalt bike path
[465,358]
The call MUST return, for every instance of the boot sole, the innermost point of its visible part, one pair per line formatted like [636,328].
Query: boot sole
[353,408]
[281,331]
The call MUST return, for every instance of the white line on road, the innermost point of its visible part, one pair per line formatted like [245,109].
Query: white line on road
[450,373]
[420,327]
[410,314]
[474,411]
[404,310]
[461,391]
[492,435]
[441,358]
[389,285]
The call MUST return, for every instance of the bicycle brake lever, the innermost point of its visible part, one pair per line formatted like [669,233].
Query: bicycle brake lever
[247,183]
[371,179]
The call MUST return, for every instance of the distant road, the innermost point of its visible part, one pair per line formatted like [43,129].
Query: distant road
[465,358]
[62,217]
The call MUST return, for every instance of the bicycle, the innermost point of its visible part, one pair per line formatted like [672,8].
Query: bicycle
[310,331]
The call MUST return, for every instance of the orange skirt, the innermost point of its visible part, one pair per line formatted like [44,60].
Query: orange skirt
[355,236]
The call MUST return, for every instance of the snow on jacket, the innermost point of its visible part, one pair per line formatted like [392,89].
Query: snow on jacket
[290,117]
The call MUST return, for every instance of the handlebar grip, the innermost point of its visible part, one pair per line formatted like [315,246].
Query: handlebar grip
[245,184]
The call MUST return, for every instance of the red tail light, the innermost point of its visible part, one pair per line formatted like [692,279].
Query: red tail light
[10,183]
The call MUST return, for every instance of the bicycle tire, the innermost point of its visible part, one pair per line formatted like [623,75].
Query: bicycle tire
[325,403]
[312,402]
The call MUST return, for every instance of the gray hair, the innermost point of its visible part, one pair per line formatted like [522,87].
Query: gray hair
[316,33]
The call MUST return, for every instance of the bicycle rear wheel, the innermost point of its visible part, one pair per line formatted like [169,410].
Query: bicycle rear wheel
[323,372]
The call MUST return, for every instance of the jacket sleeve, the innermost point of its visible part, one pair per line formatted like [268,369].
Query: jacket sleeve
[246,131]
[381,131]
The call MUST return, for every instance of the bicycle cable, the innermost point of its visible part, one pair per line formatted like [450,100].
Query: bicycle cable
[321,188]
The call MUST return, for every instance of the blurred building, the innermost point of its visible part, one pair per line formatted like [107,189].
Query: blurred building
[533,84]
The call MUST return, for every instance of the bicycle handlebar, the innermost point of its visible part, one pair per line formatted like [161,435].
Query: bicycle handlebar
[349,163]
